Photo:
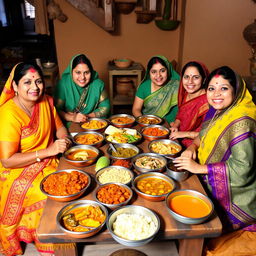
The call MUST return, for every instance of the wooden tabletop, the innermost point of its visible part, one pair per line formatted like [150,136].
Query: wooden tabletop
[48,231]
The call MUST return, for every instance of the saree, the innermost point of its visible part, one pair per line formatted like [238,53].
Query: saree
[192,112]
[227,147]
[67,95]
[21,200]
[162,102]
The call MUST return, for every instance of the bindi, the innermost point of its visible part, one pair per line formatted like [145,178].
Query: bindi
[32,70]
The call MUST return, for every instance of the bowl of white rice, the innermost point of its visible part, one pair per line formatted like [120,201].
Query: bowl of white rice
[133,225]
[114,173]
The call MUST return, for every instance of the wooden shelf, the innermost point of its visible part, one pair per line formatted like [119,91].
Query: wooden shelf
[134,73]
[122,100]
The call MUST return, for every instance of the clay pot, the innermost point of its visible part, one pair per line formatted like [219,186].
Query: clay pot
[124,86]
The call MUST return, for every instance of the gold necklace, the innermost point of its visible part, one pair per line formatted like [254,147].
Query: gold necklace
[24,107]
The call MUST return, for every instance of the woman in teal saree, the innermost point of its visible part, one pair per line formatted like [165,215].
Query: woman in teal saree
[158,92]
[80,93]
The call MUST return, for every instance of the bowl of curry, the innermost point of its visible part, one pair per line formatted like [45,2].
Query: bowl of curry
[165,147]
[82,218]
[153,186]
[122,120]
[113,195]
[155,132]
[123,151]
[65,185]
[149,162]
[95,124]
[89,138]
[189,206]
[81,155]
[146,120]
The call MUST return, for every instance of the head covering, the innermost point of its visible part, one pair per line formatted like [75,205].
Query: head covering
[172,74]
[182,92]
[216,123]
[8,91]
[67,86]
[162,101]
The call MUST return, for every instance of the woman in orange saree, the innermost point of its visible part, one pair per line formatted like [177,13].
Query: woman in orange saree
[192,103]
[31,135]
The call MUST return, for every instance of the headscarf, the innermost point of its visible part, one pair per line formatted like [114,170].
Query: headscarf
[182,94]
[163,100]
[172,74]
[67,86]
[215,124]
[8,91]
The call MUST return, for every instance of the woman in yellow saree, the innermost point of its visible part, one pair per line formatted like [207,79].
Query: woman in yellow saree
[31,135]
[227,164]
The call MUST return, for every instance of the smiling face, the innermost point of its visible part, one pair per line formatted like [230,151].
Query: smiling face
[81,75]
[158,74]
[30,87]
[220,94]
[192,80]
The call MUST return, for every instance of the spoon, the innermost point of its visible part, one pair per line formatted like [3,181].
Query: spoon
[113,147]
[71,138]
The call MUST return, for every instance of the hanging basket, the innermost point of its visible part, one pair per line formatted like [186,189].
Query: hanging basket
[167,24]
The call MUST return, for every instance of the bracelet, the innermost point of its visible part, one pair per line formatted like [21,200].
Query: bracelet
[37,157]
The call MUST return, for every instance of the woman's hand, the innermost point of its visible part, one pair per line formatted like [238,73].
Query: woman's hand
[79,118]
[174,126]
[173,129]
[59,146]
[190,152]
[189,164]
[176,134]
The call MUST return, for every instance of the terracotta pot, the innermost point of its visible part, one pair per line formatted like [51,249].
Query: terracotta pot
[124,86]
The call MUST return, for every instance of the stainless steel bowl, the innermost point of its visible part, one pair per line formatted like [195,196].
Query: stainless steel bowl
[186,219]
[151,155]
[77,204]
[150,120]
[107,137]
[66,197]
[136,229]
[125,145]
[157,175]
[152,137]
[100,129]
[114,173]
[173,172]
[81,163]
[116,205]
[97,144]
[122,125]
[163,149]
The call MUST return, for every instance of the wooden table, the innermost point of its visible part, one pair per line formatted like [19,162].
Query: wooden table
[191,237]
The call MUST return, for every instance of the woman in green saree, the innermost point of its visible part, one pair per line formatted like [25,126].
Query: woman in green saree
[80,93]
[158,92]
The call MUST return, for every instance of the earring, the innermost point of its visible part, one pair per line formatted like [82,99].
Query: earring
[16,93]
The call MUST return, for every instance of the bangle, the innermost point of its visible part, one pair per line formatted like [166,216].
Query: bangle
[37,157]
